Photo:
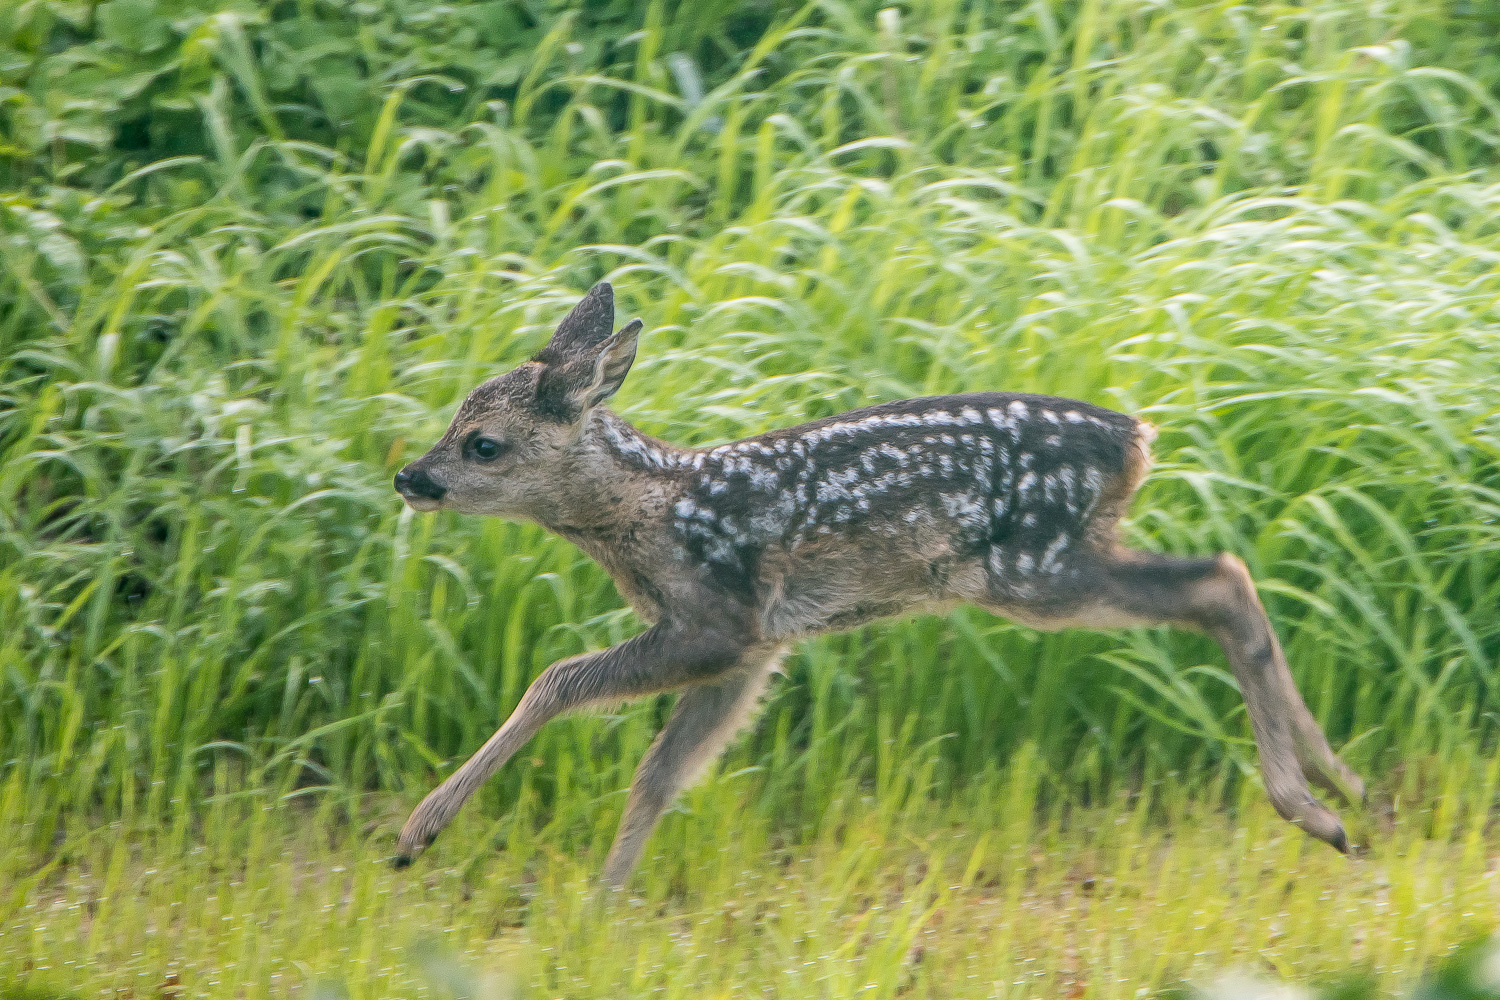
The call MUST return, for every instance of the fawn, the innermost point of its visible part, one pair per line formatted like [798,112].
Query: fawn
[1004,500]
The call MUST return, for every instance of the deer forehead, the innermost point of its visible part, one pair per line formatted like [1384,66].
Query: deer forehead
[505,401]
[511,393]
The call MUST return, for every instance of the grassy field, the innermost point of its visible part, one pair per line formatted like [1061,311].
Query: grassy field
[983,896]
[252,255]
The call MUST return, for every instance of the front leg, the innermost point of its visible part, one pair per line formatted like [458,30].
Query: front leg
[706,718]
[664,657]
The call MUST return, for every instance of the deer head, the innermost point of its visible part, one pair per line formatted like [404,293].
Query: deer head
[514,440]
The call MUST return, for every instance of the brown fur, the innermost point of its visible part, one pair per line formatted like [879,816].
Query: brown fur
[1007,501]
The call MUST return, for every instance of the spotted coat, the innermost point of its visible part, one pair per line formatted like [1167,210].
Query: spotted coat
[995,493]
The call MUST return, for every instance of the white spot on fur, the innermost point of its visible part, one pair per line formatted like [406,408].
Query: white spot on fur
[1050,561]
[1067,477]
[963,508]
[764,479]
[894,454]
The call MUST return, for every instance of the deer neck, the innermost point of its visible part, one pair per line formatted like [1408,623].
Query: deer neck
[619,477]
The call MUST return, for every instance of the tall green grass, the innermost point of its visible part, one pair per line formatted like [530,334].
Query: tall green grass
[229,319]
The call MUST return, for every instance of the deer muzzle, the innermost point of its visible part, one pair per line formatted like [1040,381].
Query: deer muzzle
[419,489]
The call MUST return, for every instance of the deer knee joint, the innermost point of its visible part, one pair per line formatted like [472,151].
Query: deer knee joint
[1232,568]
[1223,598]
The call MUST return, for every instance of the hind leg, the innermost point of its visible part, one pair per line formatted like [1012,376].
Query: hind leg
[1217,596]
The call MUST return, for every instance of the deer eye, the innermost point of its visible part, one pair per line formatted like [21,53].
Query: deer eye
[486,449]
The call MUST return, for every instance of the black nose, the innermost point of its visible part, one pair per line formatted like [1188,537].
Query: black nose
[417,483]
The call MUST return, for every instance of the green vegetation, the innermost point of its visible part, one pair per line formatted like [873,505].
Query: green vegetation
[251,256]
[977,897]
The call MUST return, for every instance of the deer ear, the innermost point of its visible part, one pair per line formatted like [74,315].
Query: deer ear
[614,361]
[586,327]
[566,390]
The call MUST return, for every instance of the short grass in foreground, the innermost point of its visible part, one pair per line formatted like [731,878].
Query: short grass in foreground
[987,895]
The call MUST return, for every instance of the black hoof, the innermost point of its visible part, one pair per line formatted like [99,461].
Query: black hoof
[1340,842]
[401,861]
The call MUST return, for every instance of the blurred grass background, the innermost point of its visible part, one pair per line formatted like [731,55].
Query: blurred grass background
[251,256]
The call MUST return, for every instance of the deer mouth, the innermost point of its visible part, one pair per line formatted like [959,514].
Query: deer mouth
[419,490]
[422,504]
